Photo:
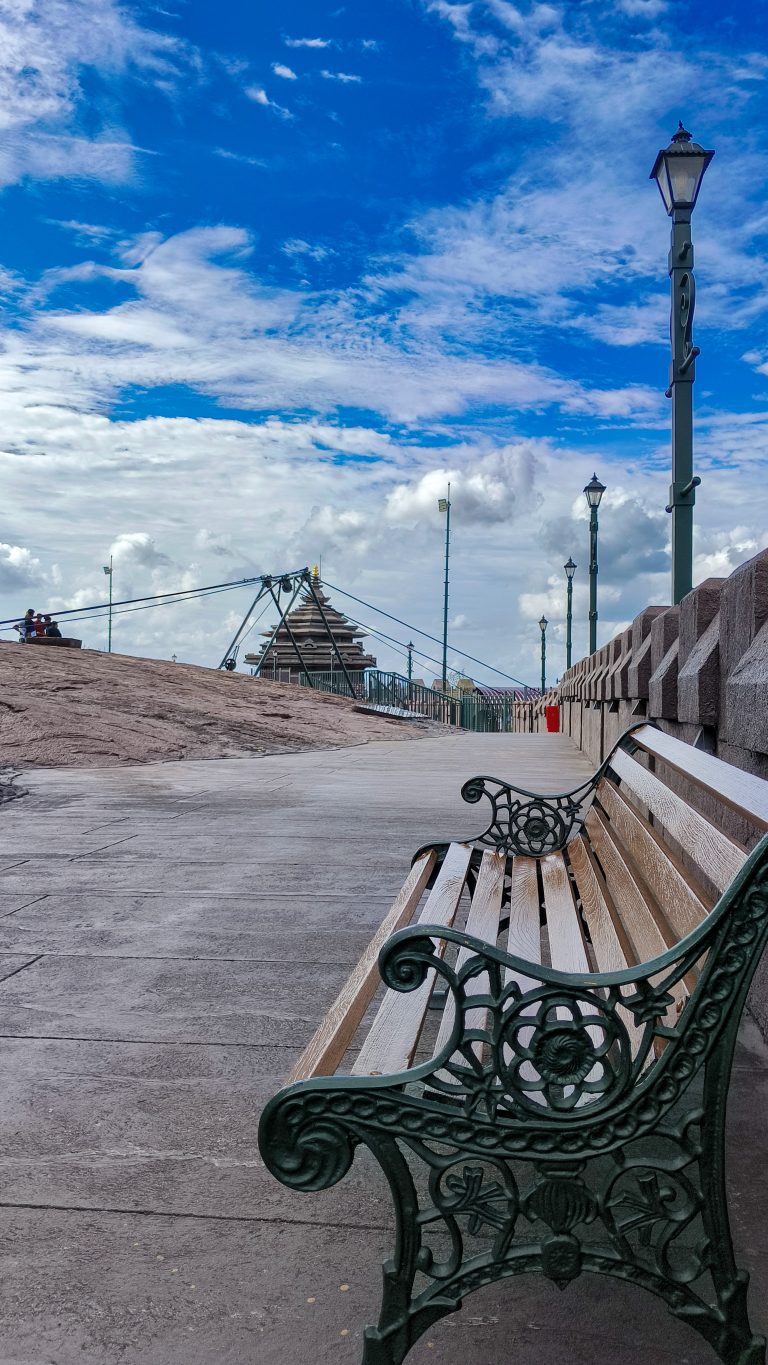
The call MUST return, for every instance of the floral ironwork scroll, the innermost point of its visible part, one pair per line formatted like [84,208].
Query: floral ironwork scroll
[563,1127]
[529,822]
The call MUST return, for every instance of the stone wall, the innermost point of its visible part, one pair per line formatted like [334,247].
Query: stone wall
[700,672]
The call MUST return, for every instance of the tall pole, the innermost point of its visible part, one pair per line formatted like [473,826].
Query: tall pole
[678,171]
[592,579]
[682,373]
[570,569]
[108,572]
[445,506]
[543,623]
[409,647]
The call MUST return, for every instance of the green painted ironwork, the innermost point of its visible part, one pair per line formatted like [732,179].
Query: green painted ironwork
[576,1124]
[531,824]
[497,713]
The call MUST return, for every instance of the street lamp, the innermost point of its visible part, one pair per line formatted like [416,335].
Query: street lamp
[108,572]
[593,493]
[678,171]
[444,505]
[543,623]
[570,569]
[409,647]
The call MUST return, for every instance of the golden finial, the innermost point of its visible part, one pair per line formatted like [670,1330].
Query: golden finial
[315,573]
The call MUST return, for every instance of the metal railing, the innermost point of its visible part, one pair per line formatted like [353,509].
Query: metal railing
[465,710]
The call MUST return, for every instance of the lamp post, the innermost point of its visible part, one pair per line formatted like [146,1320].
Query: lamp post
[543,623]
[593,493]
[570,569]
[444,505]
[409,647]
[678,171]
[108,572]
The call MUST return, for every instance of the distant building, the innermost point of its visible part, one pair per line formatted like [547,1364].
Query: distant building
[279,660]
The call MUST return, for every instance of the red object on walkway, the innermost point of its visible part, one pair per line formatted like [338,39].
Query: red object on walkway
[552,715]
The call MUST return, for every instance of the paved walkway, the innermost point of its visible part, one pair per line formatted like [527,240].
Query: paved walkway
[169,938]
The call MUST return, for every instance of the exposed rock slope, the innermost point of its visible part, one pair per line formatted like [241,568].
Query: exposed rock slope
[81,708]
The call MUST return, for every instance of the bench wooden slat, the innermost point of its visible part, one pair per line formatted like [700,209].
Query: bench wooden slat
[682,907]
[743,792]
[524,936]
[630,905]
[394,1033]
[567,949]
[718,856]
[613,950]
[482,923]
[323,1054]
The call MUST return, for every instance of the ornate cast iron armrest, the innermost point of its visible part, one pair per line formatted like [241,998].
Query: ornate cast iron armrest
[579,1043]
[529,822]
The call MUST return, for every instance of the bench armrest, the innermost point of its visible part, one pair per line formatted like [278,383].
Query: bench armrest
[526,1038]
[534,823]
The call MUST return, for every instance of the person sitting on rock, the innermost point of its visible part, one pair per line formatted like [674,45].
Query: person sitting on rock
[26,628]
[39,624]
[52,631]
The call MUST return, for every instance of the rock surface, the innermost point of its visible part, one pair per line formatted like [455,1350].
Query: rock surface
[61,708]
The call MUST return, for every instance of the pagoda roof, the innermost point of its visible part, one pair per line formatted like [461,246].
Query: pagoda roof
[311,630]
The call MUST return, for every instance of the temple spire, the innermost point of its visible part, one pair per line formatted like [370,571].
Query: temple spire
[308,628]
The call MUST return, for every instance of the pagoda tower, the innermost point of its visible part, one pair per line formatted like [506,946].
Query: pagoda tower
[279,660]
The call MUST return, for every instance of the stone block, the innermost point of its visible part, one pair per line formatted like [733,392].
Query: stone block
[743,610]
[639,673]
[641,625]
[698,680]
[745,721]
[619,676]
[697,611]
[664,630]
[662,686]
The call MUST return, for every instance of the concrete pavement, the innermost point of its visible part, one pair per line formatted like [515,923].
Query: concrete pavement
[169,938]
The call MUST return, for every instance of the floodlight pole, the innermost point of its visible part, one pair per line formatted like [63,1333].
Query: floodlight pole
[108,572]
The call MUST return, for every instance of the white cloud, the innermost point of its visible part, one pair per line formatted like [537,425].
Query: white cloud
[46,48]
[246,160]
[295,246]
[284,72]
[307,42]
[343,76]
[200,318]
[19,568]
[258,94]
[550,246]
[643,9]
[498,488]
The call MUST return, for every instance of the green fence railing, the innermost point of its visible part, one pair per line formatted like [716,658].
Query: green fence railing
[501,712]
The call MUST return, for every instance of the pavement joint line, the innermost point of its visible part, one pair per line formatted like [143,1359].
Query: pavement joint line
[25,906]
[146,1042]
[238,896]
[168,957]
[138,1042]
[22,968]
[200,1217]
[113,844]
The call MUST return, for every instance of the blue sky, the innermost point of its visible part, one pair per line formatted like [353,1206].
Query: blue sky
[270,279]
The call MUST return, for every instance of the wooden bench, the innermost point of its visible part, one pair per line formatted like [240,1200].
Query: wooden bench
[564,1109]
